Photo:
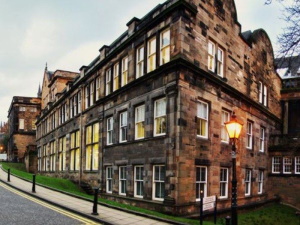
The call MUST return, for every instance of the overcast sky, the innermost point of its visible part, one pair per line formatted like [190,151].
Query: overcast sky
[68,34]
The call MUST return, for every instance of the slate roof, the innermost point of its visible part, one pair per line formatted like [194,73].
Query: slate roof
[288,67]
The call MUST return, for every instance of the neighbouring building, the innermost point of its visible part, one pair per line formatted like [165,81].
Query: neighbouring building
[22,116]
[145,119]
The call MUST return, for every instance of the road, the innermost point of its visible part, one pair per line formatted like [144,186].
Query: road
[18,208]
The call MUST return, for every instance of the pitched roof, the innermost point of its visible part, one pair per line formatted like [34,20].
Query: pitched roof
[288,67]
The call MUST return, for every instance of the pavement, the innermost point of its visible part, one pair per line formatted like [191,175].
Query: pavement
[107,215]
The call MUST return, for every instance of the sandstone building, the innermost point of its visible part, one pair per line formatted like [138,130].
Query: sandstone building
[145,119]
[22,116]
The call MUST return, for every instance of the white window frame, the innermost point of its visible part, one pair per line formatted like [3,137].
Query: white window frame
[92,90]
[224,182]
[276,163]
[287,165]
[21,124]
[165,46]
[116,84]
[262,135]
[124,77]
[260,92]
[98,86]
[122,180]
[200,182]
[139,181]
[87,96]
[123,127]
[160,181]
[22,109]
[139,118]
[260,180]
[110,127]
[211,48]
[220,62]
[107,81]
[140,61]
[109,179]
[160,116]
[248,176]
[265,95]
[249,142]
[297,165]
[202,116]
[225,118]
[151,54]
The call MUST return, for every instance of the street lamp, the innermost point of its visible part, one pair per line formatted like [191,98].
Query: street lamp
[233,128]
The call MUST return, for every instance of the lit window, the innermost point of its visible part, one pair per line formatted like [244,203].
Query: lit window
[124,79]
[297,165]
[62,153]
[122,180]
[260,181]
[107,82]
[92,147]
[165,47]
[140,122]
[139,181]
[75,151]
[202,119]
[248,182]
[224,133]
[159,182]
[287,165]
[123,126]
[52,156]
[160,117]
[109,177]
[201,182]
[223,183]
[262,140]
[151,55]
[249,135]
[116,77]
[276,164]
[211,56]
[109,130]
[140,62]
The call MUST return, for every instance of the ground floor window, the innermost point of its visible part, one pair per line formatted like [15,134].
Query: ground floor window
[276,164]
[159,182]
[248,182]
[139,181]
[297,164]
[260,181]
[109,179]
[223,182]
[201,181]
[122,180]
[287,165]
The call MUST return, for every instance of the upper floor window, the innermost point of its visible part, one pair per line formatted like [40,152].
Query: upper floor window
[202,119]
[297,165]
[140,122]
[262,139]
[124,79]
[165,47]
[249,142]
[110,125]
[211,56]
[21,124]
[140,62]
[98,88]
[151,64]
[224,133]
[87,96]
[116,77]
[160,117]
[123,126]
[215,59]
[92,92]
[287,165]
[107,82]
[22,109]
[262,93]
[276,164]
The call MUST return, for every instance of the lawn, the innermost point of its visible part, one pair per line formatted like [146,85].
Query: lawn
[274,214]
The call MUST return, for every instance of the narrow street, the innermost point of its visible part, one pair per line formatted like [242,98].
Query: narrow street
[19,208]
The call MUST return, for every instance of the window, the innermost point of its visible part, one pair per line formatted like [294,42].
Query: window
[124,80]
[140,122]
[262,140]
[249,143]
[220,63]
[211,56]
[287,165]
[140,62]
[202,119]
[32,109]
[201,181]
[262,93]
[92,139]
[109,177]
[33,126]
[21,124]
[98,88]
[22,109]
[223,183]
[87,96]
[44,168]
[276,164]
[75,151]
[215,56]
[139,181]
[122,180]
[79,102]
[110,125]
[248,182]
[260,181]
[107,82]
[297,165]
[159,182]
[123,126]
[92,92]
[165,47]
[151,55]
[52,156]
[62,153]
[39,159]
[224,133]
[116,77]
[160,117]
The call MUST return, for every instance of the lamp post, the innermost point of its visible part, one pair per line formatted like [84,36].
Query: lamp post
[233,128]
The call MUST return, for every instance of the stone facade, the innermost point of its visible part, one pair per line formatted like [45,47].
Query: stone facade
[144,121]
